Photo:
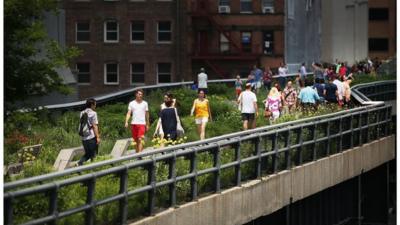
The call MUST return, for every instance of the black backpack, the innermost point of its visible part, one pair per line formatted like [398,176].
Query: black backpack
[84,126]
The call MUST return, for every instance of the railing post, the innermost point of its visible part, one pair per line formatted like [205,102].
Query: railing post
[352,131]
[368,136]
[287,152]
[314,134]
[172,175]
[193,181]
[123,203]
[275,148]
[217,165]
[257,146]
[89,216]
[340,149]
[151,180]
[299,149]
[238,174]
[8,208]
[53,204]
[328,135]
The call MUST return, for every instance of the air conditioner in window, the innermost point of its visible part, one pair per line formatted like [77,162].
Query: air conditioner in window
[268,9]
[224,9]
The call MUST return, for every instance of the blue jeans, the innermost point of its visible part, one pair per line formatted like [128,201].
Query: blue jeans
[90,147]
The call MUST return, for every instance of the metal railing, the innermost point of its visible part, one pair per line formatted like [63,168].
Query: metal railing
[127,94]
[249,154]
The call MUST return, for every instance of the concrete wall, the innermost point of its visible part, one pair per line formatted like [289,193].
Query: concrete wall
[257,198]
[344,30]
[303,32]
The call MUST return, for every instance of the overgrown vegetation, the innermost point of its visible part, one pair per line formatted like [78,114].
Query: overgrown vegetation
[57,132]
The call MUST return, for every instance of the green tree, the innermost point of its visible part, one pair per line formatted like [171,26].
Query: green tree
[31,57]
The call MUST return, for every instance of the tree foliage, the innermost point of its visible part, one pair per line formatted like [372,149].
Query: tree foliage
[31,57]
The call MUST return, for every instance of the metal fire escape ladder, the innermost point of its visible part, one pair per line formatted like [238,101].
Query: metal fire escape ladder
[213,21]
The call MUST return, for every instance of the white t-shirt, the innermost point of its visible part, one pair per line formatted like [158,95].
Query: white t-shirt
[138,112]
[92,119]
[282,71]
[202,79]
[340,88]
[247,99]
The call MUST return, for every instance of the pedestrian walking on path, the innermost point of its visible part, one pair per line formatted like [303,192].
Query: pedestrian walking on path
[139,110]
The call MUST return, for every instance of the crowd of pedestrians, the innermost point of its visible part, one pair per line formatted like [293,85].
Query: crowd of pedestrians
[329,85]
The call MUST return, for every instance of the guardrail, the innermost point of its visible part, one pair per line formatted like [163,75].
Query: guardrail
[126,94]
[264,150]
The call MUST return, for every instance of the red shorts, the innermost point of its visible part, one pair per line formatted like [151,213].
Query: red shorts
[238,91]
[138,131]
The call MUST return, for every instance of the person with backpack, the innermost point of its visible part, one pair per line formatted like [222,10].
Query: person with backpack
[89,131]
[289,98]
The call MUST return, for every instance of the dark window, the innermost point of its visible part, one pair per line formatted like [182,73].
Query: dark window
[246,6]
[111,70]
[378,14]
[224,2]
[137,28]
[164,31]
[268,37]
[246,41]
[83,72]
[137,73]
[82,32]
[164,72]
[378,44]
[111,31]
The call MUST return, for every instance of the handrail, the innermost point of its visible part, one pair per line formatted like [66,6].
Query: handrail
[102,99]
[337,132]
[357,95]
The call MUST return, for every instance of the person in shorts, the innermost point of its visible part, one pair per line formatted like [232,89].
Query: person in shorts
[201,111]
[139,110]
[248,105]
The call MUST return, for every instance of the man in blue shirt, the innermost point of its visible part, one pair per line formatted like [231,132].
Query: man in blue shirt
[308,97]
[258,73]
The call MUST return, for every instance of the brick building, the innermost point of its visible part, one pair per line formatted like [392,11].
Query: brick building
[124,43]
[382,29]
[128,43]
[228,37]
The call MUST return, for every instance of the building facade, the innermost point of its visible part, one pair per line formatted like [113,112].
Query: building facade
[382,29]
[228,37]
[344,30]
[124,43]
[302,33]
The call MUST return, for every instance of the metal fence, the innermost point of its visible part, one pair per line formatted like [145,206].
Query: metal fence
[247,155]
[124,95]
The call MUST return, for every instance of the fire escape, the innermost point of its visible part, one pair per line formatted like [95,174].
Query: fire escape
[201,14]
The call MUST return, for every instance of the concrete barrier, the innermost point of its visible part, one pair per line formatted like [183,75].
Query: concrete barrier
[65,157]
[261,197]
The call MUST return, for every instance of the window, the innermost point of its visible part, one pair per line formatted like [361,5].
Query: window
[111,73]
[378,44]
[267,6]
[223,43]
[246,6]
[82,32]
[164,31]
[137,29]
[164,72]
[268,37]
[111,31]
[224,2]
[379,14]
[137,73]
[246,41]
[83,73]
